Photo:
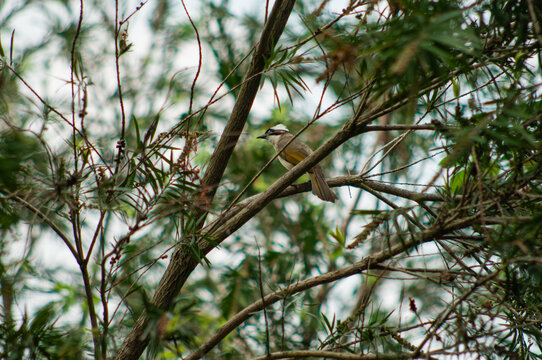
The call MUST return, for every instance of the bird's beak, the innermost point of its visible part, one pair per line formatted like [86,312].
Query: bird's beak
[262,137]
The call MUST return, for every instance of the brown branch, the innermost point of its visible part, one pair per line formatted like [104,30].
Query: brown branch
[183,261]
[193,87]
[139,7]
[72,70]
[270,35]
[260,285]
[301,354]
[399,127]
[361,182]
[231,220]
[121,144]
[370,262]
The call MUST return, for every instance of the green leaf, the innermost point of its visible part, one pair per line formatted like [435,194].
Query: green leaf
[330,325]
[458,180]
[338,236]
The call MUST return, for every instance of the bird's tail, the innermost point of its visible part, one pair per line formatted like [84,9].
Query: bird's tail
[320,187]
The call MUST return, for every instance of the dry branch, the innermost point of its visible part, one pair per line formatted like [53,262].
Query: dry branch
[182,262]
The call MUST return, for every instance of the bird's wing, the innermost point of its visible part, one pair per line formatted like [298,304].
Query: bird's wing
[295,152]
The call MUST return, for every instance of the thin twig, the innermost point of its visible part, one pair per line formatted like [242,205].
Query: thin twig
[260,284]
[121,141]
[72,83]
[192,88]
[46,220]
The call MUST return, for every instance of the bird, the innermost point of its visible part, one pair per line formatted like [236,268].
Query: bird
[293,154]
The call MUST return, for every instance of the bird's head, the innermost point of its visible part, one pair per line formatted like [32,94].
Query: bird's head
[274,131]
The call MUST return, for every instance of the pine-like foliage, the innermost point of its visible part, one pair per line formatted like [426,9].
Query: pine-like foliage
[141,217]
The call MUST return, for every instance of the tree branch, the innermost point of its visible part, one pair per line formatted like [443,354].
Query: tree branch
[183,261]
[251,82]
[233,219]
[370,262]
[335,355]
[360,182]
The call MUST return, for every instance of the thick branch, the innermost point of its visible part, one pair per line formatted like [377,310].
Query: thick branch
[370,262]
[233,219]
[236,217]
[183,261]
[251,82]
